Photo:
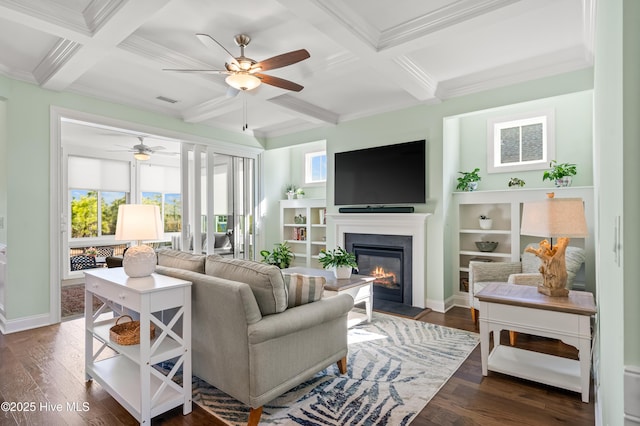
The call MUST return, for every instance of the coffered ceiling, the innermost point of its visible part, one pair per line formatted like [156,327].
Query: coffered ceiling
[367,56]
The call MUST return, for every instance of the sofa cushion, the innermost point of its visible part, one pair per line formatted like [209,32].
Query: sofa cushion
[303,289]
[266,281]
[181,260]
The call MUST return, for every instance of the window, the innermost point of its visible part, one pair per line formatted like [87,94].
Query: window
[523,142]
[170,208]
[97,187]
[315,168]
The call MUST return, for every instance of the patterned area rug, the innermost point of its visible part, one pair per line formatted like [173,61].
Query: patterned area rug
[72,302]
[395,367]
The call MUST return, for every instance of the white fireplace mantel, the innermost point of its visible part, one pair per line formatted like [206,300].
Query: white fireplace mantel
[407,224]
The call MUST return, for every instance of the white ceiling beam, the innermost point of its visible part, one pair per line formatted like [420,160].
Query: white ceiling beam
[112,21]
[210,109]
[305,110]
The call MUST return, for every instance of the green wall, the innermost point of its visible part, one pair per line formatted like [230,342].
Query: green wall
[426,122]
[573,136]
[27,152]
[3,171]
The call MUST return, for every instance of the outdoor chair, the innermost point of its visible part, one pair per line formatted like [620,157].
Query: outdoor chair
[82,261]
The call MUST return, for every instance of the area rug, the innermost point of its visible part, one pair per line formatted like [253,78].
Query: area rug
[72,302]
[395,366]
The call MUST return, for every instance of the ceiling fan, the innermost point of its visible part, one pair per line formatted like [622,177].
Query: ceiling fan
[143,152]
[245,73]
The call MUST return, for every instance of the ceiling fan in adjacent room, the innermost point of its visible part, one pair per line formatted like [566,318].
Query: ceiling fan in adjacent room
[244,73]
[143,152]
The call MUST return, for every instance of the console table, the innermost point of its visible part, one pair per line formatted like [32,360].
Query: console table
[129,376]
[522,308]
[360,287]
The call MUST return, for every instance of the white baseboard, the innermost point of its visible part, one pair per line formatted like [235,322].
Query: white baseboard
[26,323]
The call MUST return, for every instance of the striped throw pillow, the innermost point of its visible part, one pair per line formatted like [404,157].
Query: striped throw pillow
[304,289]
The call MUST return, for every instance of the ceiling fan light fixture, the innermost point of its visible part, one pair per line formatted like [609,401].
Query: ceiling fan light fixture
[243,81]
[141,156]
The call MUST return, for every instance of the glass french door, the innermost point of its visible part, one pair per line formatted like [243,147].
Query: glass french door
[218,203]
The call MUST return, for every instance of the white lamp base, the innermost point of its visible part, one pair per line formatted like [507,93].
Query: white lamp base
[139,261]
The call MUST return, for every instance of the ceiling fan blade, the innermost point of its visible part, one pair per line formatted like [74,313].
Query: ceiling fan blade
[279,82]
[209,41]
[282,60]
[199,71]
[165,153]
[155,148]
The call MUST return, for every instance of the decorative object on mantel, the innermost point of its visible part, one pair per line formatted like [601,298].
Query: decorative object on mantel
[469,180]
[560,173]
[281,256]
[139,222]
[339,260]
[485,222]
[486,246]
[516,182]
[553,217]
[299,193]
[290,190]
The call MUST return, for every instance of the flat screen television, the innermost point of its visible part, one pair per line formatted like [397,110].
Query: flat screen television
[383,175]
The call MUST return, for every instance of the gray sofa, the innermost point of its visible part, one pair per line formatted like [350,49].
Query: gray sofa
[245,340]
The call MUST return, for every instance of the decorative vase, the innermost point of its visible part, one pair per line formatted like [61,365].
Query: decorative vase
[563,182]
[485,223]
[290,195]
[342,272]
[472,186]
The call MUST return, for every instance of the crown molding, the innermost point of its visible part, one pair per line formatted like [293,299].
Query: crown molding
[100,11]
[33,12]
[53,61]
[558,62]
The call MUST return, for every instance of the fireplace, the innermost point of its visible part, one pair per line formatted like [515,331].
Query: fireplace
[388,258]
[413,225]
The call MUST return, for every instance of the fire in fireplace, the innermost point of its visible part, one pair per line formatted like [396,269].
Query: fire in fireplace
[388,259]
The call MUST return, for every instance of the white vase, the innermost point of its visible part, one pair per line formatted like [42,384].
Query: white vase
[342,272]
[563,182]
[485,223]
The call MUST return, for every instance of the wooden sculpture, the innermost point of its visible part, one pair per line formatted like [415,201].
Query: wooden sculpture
[553,268]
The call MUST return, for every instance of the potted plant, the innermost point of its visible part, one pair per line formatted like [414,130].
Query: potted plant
[340,260]
[290,190]
[469,180]
[281,256]
[517,182]
[485,222]
[560,173]
[299,193]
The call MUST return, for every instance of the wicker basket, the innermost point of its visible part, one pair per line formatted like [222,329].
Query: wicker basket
[128,333]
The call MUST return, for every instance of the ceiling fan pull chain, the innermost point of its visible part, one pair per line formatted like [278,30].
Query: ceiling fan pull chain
[245,126]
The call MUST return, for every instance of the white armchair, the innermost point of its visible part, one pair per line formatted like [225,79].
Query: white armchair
[525,272]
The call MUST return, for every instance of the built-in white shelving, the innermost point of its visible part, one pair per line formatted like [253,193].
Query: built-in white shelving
[303,227]
[504,207]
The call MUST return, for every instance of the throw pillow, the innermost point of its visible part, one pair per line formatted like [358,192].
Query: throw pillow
[303,289]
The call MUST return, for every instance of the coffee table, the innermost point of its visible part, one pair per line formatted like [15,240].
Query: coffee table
[360,287]
[522,308]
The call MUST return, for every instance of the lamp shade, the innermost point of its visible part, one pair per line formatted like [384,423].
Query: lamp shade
[243,81]
[138,222]
[554,217]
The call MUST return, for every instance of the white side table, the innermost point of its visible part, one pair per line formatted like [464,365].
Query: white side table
[129,376]
[521,308]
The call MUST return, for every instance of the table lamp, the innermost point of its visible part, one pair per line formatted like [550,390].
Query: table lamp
[553,217]
[139,222]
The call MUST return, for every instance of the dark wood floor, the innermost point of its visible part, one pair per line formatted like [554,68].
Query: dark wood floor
[46,367]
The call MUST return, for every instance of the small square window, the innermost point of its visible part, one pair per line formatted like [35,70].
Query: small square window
[315,167]
[524,142]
